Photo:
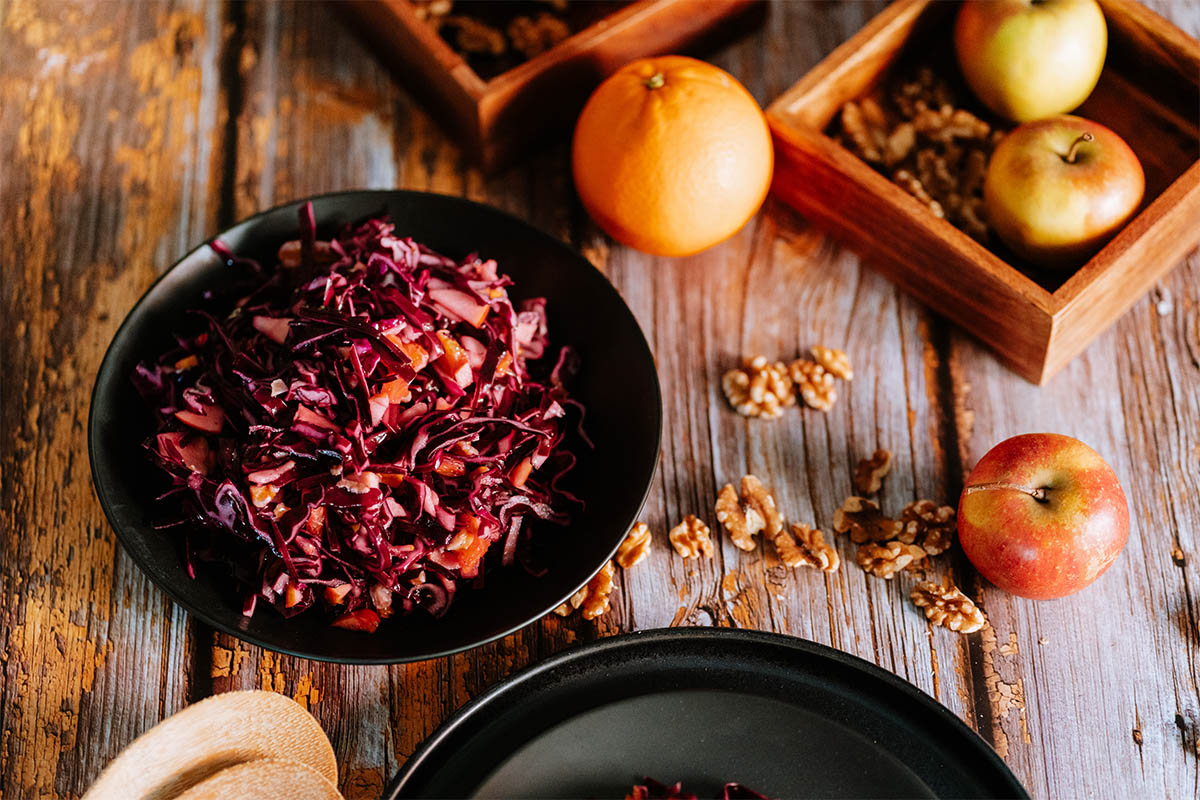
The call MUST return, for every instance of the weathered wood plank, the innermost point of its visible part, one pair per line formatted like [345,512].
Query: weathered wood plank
[107,135]
[121,162]
[777,288]
[1106,680]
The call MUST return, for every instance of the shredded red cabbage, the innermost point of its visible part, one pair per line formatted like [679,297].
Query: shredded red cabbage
[369,420]
[650,789]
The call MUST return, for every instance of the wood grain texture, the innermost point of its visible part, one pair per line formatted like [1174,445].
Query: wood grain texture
[136,131]
[108,134]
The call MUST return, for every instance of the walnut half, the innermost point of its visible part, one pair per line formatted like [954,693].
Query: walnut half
[835,361]
[759,388]
[741,523]
[573,603]
[814,383]
[863,520]
[885,560]
[599,589]
[755,511]
[755,496]
[929,525]
[690,538]
[593,597]
[805,546]
[474,36]
[948,606]
[534,35]
[870,472]
[635,547]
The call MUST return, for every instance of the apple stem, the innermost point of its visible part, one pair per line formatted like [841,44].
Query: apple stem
[1038,494]
[1083,137]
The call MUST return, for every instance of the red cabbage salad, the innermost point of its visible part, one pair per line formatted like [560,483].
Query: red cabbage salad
[369,423]
[650,789]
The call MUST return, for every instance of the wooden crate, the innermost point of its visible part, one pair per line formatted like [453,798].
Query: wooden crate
[1149,93]
[493,120]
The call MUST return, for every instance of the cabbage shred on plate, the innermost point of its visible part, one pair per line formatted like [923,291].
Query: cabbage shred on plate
[368,423]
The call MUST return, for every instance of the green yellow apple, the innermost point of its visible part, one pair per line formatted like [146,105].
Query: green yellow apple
[1042,515]
[1057,189]
[1028,59]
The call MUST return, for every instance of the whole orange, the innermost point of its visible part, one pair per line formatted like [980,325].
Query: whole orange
[671,155]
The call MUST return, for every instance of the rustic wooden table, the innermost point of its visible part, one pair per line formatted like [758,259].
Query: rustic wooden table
[130,132]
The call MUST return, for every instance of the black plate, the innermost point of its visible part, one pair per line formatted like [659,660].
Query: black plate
[784,716]
[618,384]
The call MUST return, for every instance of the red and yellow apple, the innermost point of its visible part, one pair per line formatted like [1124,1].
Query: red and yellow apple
[1042,515]
[1028,59]
[1056,190]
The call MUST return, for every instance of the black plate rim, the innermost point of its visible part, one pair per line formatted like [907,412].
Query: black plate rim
[665,637]
[106,502]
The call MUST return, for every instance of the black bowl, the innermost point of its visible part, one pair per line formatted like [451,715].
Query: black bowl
[618,384]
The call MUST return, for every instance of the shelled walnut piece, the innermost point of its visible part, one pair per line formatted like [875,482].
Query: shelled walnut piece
[932,149]
[741,523]
[473,36]
[431,9]
[835,361]
[929,525]
[814,384]
[948,606]
[885,560]
[764,389]
[533,36]
[635,547]
[690,538]
[594,597]
[870,472]
[862,519]
[528,35]
[755,497]
[573,603]
[806,546]
[759,388]
[914,186]
[754,511]
[920,91]
[599,591]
